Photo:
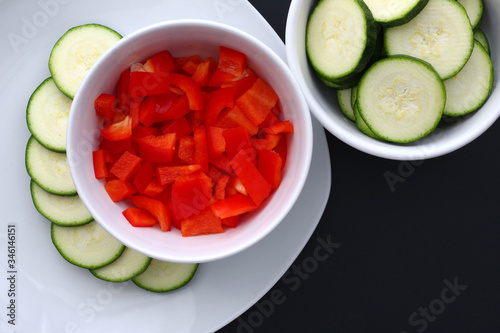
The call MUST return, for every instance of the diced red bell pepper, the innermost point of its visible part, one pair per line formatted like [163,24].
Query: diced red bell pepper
[191,194]
[234,117]
[235,186]
[233,205]
[231,61]
[186,150]
[138,217]
[178,126]
[99,162]
[221,162]
[167,174]
[162,62]
[257,101]
[127,166]
[141,131]
[242,83]
[119,189]
[270,120]
[203,223]
[201,147]
[214,173]
[157,149]
[159,108]
[282,127]
[181,61]
[282,149]
[257,186]
[238,139]
[135,108]
[147,84]
[216,141]
[122,89]
[203,71]
[217,101]
[116,147]
[231,221]
[220,187]
[105,106]
[190,88]
[269,142]
[219,77]
[154,188]
[270,165]
[190,67]
[155,208]
[118,131]
[144,176]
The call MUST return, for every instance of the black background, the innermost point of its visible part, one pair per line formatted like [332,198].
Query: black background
[397,249]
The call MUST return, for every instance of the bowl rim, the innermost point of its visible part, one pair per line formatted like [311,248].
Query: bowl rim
[360,141]
[300,100]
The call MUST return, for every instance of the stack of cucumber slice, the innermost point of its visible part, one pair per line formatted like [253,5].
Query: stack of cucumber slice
[434,61]
[74,232]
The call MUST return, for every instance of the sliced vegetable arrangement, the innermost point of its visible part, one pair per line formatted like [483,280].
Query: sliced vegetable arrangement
[190,142]
[442,36]
[78,238]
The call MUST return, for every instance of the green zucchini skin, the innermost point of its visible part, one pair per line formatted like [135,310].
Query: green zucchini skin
[403,18]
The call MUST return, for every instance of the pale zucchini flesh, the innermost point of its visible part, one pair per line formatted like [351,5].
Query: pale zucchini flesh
[76,51]
[440,34]
[163,276]
[401,99]
[344,99]
[469,89]
[130,264]
[481,38]
[47,115]
[474,9]
[390,13]
[49,169]
[88,246]
[63,210]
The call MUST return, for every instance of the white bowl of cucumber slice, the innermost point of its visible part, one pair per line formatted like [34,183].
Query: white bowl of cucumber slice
[407,80]
[184,38]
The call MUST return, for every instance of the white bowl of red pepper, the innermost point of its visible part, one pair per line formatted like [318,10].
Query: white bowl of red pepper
[189,141]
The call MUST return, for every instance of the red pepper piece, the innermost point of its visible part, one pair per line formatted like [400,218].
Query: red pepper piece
[241,83]
[238,139]
[116,147]
[235,186]
[203,223]
[257,101]
[178,126]
[105,106]
[231,61]
[157,149]
[216,141]
[214,173]
[282,149]
[144,176]
[181,61]
[203,71]
[118,131]
[147,84]
[201,147]
[127,166]
[270,165]
[220,187]
[119,189]
[221,162]
[141,131]
[234,117]
[217,101]
[191,194]
[257,186]
[233,205]
[154,188]
[156,108]
[186,150]
[231,221]
[99,162]
[138,217]
[269,142]
[122,89]
[190,88]
[271,119]
[282,127]
[167,174]
[162,62]
[155,208]
[135,108]
[219,77]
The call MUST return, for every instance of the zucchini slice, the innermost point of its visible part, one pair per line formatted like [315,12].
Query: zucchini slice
[76,51]
[163,276]
[340,38]
[130,264]
[87,246]
[48,169]
[47,115]
[440,34]
[481,38]
[401,99]
[63,210]
[344,98]
[391,13]
[474,9]
[469,89]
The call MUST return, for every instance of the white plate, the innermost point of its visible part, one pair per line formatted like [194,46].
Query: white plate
[52,295]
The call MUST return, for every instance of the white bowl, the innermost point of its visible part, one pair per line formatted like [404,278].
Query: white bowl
[323,101]
[182,38]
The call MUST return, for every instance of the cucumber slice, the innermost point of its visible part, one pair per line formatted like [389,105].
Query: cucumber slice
[344,98]
[88,246]
[360,123]
[474,9]
[481,38]
[47,115]
[468,90]
[440,35]
[163,276]
[49,169]
[76,51]
[63,210]
[401,98]
[391,13]
[340,38]
[130,264]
